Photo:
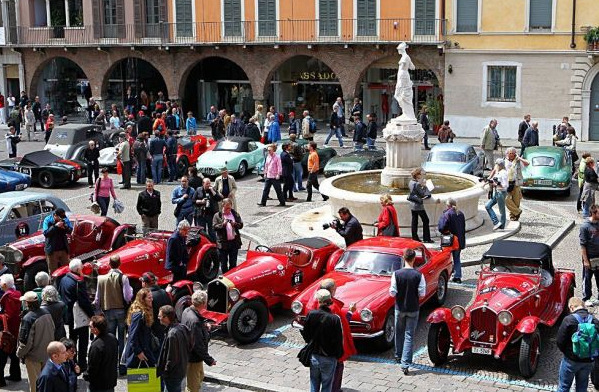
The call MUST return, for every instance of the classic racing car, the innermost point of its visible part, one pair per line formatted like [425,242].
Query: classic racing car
[550,169]
[92,236]
[46,169]
[240,300]
[355,161]
[13,181]
[455,157]
[517,292]
[362,273]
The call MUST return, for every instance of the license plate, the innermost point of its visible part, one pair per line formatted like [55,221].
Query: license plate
[543,182]
[481,350]
[25,170]
[20,187]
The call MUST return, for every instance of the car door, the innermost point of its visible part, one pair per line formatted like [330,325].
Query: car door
[254,154]
[423,263]
[22,219]
[475,163]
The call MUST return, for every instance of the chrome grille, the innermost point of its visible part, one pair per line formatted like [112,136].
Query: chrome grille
[483,326]
[217,296]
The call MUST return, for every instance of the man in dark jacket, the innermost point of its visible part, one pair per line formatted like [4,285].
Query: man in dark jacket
[36,106]
[205,202]
[227,222]
[140,152]
[72,289]
[524,125]
[350,229]
[56,227]
[171,155]
[53,378]
[359,133]
[91,156]
[177,255]
[572,366]
[144,123]
[149,206]
[174,353]
[531,137]
[324,328]
[287,172]
[192,319]
[103,357]
[159,298]
[371,131]
[426,126]
[407,286]
[452,221]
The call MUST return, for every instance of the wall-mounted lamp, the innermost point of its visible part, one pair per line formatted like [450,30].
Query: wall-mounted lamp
[309,46]
[216,47]
[395,25]
[450,69]
[276,46]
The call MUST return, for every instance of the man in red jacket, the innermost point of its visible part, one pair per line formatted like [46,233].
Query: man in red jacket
[11,308]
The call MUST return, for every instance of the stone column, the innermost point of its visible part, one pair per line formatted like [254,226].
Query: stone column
[403,152]
[66,11]
[48,18]
[349,103]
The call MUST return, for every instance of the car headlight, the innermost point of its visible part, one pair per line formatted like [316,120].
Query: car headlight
[366,315]
[458,312]
[197,286]
[297,307]
[234,295]
[505,317]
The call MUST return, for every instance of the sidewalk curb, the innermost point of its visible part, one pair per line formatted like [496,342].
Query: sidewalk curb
[252,237]
[244,383]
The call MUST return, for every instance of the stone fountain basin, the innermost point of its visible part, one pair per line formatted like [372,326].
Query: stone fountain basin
[366,207]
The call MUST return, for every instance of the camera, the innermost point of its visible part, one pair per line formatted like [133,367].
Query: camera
[335,223]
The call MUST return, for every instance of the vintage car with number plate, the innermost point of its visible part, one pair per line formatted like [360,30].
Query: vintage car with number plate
[13,181]
[355,161]
[46,169]
[455,158]
[518,292]
[92,236]
[363,273]
[240,300]
[238,154]
[549,169]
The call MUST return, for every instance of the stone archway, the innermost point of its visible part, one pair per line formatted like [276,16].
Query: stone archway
[584,87]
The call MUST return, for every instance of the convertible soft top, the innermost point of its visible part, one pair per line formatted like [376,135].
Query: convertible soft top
[242,143]
[519,250]
[39,158]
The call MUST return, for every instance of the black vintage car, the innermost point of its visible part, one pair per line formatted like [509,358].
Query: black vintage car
[46,169]
[355,161]
[69,141]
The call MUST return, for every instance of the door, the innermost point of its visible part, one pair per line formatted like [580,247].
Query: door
[232,18]
[594,110]
[366,17]
[328,18]
[267,18]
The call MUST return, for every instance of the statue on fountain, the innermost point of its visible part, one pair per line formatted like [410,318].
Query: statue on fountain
[403,89]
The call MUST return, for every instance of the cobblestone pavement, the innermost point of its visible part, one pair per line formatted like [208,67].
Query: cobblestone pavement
[272,362]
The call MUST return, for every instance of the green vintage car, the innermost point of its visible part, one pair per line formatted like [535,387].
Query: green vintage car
[550,169]
[238,154]
[324,155]
[355,161]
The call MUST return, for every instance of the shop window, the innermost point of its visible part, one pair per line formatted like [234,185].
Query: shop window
[501,83]
[184,14]
[425,17]
[467,16]
[232,17]
[540,14]
[328,20]
[366,17]
[267,18]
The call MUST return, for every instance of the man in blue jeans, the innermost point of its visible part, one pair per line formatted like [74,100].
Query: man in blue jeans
[408,287]
[156,147]
[499,180]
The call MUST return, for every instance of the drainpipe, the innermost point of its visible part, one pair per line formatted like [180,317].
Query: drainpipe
[444,26]
[573,42]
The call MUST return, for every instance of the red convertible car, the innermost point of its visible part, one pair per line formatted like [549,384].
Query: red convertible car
[189,148]
[240,300]
[363,273]
[92,236]
[518,292]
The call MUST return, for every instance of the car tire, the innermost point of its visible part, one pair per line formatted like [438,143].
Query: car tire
[242,169]
[182,165]
[439,342]
[30,272]
[387,339]
[528,358]
[46,179]
[247,321]
[567,192]
[181,304]
[441,293]
[208,269]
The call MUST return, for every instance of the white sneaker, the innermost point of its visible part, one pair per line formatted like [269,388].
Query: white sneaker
[589,303]
[325,145]
[497,226]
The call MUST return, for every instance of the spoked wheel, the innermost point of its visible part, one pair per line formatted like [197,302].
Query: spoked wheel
[46,179]
[247,321]
[242,169]
[182,303]
[441,293]
[439,342]
[530,348]
[387,340]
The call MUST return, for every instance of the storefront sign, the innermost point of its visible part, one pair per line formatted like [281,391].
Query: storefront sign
[326,76]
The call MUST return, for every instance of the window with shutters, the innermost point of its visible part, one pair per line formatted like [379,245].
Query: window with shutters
[184,20]
[267,18]
[366,17]
[155,17]
[232,18]
[424,13]
[328,18]
[467,16]
[501,83]
[540,14]
[110,9]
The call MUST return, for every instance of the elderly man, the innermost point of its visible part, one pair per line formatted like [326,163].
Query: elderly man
[10,306]
[177,255]
[226,186]
[489,141]
[307,131]
[182,197]
[174,353]
[42,279]
[531,136]
[56,227]
[91,156]
[124,155]
[53,378]
[273,170]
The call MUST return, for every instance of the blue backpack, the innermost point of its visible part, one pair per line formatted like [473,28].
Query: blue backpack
[313,126]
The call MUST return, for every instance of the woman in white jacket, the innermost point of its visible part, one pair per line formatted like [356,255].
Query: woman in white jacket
[569,144]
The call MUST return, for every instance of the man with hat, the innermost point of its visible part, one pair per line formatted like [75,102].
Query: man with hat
[324,329]
[159,298]
[35,334]
[124,155]
[294,124]
[56,227]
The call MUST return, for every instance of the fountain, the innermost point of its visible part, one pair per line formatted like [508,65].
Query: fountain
[360,191]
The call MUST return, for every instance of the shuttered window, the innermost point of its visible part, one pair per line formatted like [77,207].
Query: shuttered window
[184,18]
[155,18]
[112,17]
[501,83]
[540,14]
[366,17]
[267,18]
[232,18]
[425,17]
[328,19]
[467,16]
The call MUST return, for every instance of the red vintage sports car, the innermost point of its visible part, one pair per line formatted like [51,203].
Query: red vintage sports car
[363,273]
[240,300]
[189,149]
[518,291]
[92,236]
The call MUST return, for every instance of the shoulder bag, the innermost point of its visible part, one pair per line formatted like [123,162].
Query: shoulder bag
[180,206]
[390,230]
[447,240]
[305,354]
[8,341]
[80,318]
[414,198]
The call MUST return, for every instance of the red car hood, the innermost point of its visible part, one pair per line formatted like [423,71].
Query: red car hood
[138,251]
[502,290]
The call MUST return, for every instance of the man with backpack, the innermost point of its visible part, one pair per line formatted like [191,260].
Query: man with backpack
[578,340]
[308,126]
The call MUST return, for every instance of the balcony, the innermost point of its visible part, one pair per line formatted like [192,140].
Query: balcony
[338,31]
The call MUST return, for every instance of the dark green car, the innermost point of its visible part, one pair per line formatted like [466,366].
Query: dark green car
[355,161]
[550,169]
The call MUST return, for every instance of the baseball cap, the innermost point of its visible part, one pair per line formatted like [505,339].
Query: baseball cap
[292,114]
[323,296]
[141,113]
[499,161]
[148,277]
[29,296]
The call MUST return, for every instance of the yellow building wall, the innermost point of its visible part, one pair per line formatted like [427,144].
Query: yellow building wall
[504,15]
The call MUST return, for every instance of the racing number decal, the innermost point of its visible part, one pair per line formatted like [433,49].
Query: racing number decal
[22,230]
[297,278]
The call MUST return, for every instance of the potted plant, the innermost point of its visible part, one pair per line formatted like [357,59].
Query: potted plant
[592,38]
[435,113]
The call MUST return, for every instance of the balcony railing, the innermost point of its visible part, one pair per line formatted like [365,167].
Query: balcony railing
[344,31]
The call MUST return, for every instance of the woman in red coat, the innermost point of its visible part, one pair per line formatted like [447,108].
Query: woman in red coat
[10,307]
[387,223]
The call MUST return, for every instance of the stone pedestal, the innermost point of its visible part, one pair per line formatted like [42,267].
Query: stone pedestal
[403,139]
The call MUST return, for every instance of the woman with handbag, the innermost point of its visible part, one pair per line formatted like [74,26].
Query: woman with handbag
[387,224]
[419,192]
[139,350]
[452,222]
[104,188]
[10,308]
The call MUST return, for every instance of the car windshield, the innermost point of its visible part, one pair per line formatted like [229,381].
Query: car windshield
[365,262]
[518,266]
[543,161]
[446,156]
[227,145]
[62,137]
